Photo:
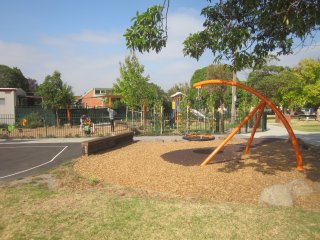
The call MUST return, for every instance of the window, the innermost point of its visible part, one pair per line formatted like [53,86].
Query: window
[100,92]
[2,101]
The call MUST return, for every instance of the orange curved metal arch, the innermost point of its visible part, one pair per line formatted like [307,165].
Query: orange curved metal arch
[270,104]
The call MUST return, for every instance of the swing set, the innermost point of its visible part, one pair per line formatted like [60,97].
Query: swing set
[260,107]
[197,136]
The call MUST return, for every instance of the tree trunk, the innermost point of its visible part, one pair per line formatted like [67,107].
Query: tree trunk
[222,118]
[233,100]
[57,118]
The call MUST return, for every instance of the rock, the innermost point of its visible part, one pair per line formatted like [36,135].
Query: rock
[299,187]
[277,195]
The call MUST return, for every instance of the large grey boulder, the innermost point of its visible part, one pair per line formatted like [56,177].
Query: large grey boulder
[299,187]
[277,195]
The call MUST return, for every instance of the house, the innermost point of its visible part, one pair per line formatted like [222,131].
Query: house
[98,98]
[9,99]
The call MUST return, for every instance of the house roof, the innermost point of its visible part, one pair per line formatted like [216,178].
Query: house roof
[19,91]
[8,89]
[97,96]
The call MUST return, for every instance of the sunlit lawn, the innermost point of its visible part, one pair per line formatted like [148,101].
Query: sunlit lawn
[84,209]
[303,125]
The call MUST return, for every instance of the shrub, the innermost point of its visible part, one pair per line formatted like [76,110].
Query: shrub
[93,181]
[34,120]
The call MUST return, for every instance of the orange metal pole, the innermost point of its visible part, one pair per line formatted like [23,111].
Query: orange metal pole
[68,114]
[110,102]
[271,105]
[256,124]
[234,132]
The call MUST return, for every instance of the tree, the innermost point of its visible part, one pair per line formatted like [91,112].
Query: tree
[199,75]
[264,80]
[309,70]
[156,97]
[55,93]
[33,85]
[290,88]
[180,87]
[132,86]
[217,93]
[12,78]
[243,32]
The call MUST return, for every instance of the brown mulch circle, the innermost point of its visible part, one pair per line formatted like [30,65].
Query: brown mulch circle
[145,165]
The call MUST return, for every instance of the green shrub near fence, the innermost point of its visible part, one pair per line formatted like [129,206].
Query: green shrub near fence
[34,120]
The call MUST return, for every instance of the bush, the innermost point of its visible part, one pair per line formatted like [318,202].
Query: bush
[3,126]
[34,120]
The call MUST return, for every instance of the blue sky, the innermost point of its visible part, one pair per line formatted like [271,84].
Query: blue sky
[83,40]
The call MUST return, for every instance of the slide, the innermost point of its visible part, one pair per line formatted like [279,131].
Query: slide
[197,113]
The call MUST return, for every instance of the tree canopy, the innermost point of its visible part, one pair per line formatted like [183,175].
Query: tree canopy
[12,78]
[55,93]
[289,87]
[243,32]
[132,86]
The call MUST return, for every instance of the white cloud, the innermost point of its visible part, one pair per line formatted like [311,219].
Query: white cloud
[15,54]
[312,51]
[84,37]
[91,59]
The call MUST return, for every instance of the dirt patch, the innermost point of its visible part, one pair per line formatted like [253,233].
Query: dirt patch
[47,179]
[146,165]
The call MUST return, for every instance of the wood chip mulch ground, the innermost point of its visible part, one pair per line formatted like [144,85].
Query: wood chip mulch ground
[172,167]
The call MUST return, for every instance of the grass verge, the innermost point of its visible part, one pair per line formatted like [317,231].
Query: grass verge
[302,125]
[78,209]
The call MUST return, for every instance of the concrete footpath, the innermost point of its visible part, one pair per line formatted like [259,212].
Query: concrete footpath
[272,132]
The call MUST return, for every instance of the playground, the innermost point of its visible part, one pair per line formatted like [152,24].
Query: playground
[213,170]
[146,165]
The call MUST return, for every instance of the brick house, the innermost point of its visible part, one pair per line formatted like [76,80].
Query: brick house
[98,98]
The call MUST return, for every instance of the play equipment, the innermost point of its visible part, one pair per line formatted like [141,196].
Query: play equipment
[261,106]
[198,114]
[198,137]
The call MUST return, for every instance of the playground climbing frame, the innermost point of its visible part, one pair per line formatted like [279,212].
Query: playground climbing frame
[261,106]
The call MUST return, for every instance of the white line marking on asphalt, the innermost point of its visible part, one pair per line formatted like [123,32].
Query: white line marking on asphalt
[37,165]
[33,146]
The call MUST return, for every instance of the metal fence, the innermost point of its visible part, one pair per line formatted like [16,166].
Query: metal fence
[39,123]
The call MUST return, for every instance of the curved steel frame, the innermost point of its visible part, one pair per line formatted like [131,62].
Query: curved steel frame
[264,101]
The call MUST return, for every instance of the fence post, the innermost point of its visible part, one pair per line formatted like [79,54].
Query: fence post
[264,122]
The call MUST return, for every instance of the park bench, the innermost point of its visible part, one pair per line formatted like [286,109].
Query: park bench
[307,116]
[104,143]
[120,123]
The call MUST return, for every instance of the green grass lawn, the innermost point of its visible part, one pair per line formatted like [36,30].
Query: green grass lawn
[302,125]
[306,126]
[86,209]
